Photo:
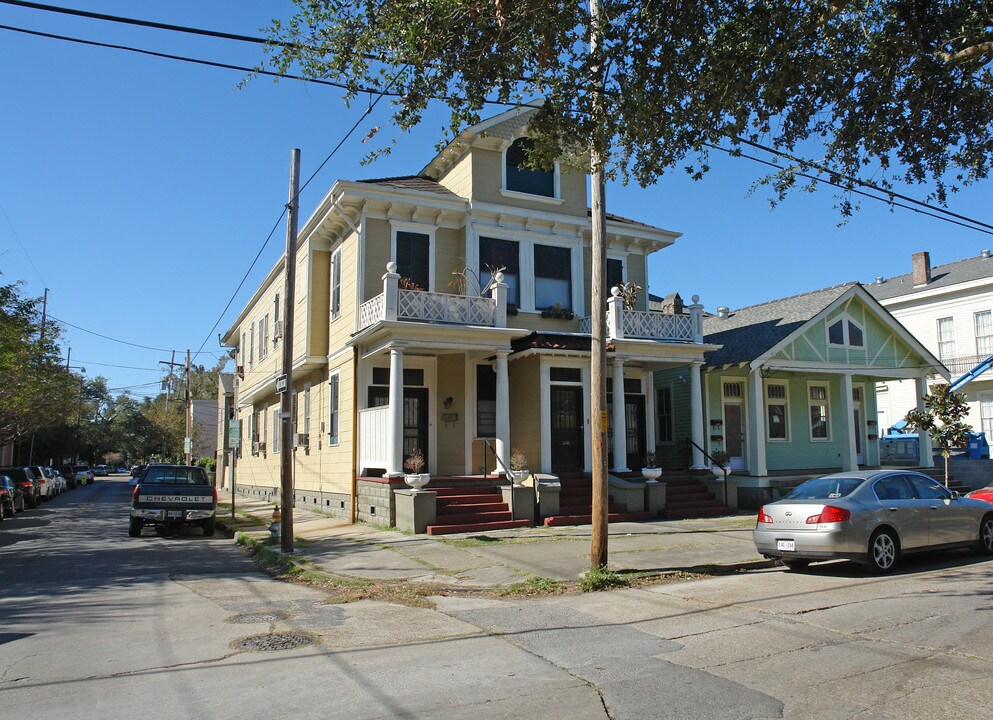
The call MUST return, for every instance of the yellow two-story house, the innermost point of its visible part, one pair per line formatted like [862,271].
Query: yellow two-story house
[448,312]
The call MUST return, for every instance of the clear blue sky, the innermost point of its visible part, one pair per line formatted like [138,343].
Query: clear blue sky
[139,189]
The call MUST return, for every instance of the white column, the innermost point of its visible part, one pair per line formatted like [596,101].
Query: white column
[757,432]
[696,319]
[619,422]
[849,456]
[391,292]
[696,416]
[499,294]
[502,412]
[615,314]
[395,428]
[924,449]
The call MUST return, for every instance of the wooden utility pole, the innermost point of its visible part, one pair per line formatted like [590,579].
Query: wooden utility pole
[44,318]
[286,404]
[189,413]
[598,308]
[172,363]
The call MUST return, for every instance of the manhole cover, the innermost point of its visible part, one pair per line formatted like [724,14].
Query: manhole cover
[274,641]
[259,617]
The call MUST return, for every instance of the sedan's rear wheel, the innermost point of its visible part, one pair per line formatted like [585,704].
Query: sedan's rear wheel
[883,551]
[984,543]
[796,564]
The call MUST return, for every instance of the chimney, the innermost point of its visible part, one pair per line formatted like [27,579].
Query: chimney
[985,253]
[922,268]
[723,311]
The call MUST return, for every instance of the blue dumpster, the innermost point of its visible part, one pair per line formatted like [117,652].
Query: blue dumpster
[977,447]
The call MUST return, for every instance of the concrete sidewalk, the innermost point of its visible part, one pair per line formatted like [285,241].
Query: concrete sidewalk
[504,557]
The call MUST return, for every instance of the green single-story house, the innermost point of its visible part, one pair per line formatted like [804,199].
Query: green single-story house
[791,392]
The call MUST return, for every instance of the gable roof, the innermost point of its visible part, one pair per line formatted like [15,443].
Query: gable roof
[750,332]
[942,276]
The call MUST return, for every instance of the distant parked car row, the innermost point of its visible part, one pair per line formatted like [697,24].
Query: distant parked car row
[24,488]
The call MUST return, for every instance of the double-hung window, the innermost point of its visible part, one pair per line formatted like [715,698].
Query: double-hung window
[776,411]
[817,403]
[495,254]
[275,319]
[336,284]
[524,179]
[334,412]
[263,337]
[552,277]
[277,427]
[251,345]
[414,258]
[946,338]
[984,333]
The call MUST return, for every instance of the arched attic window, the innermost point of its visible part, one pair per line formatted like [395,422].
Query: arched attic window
[523,179]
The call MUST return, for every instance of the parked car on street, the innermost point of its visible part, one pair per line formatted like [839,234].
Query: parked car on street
[173,495]
[84,476]
[100,470]
[67,472]
[57,481]
[872,517]
[24,479]
[46,488]
[11,497]
[985,493]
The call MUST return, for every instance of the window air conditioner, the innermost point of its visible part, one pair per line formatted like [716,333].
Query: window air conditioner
[301,440]
[255,447]
[277,330]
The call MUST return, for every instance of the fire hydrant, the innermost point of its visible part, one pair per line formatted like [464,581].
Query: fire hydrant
[276,526]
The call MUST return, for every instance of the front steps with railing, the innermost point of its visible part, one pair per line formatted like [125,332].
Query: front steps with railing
[686,498]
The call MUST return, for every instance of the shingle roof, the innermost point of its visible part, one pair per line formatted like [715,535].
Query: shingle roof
[555,341]
[974,268]
[749,332]
[420,183]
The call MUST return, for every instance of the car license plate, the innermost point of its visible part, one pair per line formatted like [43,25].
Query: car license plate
[179,514]
[787,545]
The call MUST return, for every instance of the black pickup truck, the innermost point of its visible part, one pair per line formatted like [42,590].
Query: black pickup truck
[173,495]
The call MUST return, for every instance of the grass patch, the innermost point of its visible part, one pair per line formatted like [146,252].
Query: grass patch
[535,585]
[602,579]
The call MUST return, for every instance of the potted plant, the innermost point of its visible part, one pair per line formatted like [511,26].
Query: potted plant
[651,471]
[518,466]
[414,464]
[557,312]
[722,463]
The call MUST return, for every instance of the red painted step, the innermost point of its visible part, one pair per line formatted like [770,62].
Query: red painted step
[562,520]
[476,527]
[471,508]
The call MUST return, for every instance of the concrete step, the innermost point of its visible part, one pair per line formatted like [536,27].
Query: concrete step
[463,508]
[692,514]
[468,499]
[474,518]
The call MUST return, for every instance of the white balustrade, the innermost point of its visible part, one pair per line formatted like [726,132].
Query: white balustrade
[445,307]
[372,312]
[650,326]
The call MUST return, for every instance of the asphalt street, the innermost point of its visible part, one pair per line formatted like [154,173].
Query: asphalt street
[94,624]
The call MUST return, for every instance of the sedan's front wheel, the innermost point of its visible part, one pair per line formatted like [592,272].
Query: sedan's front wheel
[984,543]
[882,551]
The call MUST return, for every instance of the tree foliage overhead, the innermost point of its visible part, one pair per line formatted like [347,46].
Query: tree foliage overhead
[900,89]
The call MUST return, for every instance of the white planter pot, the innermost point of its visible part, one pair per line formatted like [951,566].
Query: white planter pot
[417,480]
[718,471]
[651,474]
[517,477]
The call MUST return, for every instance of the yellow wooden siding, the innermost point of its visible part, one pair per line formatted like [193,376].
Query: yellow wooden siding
[378,242]
[320,286]
[325,468]
[449,256]
[525,409]
[451,435]
[487,182]
[458,178]
[343,326]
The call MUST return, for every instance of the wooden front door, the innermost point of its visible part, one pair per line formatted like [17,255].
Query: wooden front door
[567,428]
[634,421]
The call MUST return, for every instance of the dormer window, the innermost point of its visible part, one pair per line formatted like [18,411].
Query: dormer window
[520,178]
[846,333]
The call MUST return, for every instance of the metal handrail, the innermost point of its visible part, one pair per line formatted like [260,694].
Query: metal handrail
[724,468]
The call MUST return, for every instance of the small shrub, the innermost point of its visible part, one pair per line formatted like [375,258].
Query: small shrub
[598,579]
[414,464]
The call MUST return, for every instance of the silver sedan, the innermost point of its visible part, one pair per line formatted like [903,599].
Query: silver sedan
[871,517]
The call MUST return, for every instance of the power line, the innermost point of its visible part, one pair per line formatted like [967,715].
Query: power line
[146,23]
[125,367]
[18,238]
[108,337]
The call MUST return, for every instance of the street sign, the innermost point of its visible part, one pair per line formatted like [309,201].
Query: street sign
[188,446]
[234,437]
[281,384]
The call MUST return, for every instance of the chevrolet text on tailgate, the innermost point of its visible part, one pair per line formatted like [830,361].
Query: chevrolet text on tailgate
[173,495]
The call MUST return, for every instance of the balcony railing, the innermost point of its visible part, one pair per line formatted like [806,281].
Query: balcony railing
[431,307]
[655,325]
[961,364]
